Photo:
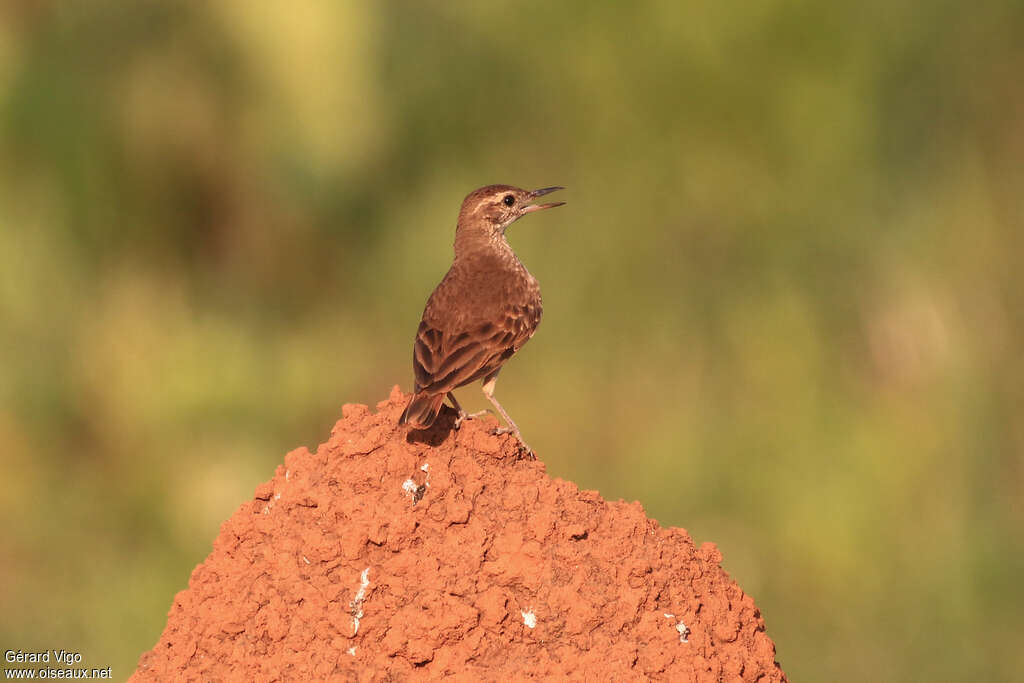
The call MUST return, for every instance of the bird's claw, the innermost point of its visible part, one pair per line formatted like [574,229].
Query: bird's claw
[524,448]
[463,416]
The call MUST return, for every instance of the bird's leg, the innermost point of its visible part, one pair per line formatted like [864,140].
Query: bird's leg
[488,388]
[463,415]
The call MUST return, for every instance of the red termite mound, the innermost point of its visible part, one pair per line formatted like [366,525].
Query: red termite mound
[380,557]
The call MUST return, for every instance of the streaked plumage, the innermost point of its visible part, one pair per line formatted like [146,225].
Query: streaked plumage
[487,306]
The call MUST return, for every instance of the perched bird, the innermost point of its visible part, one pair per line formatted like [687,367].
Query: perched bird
[486,307]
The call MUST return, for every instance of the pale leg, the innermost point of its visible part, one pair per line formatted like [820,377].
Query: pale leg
[463,415]
[488,388]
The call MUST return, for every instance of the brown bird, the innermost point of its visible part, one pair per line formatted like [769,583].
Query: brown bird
[486,307]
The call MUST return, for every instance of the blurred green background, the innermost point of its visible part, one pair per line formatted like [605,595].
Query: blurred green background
[781,308]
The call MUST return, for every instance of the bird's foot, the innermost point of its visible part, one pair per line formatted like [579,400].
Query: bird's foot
[463,416]
[524,448]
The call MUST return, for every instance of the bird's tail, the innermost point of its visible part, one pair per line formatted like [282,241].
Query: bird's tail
[422,410]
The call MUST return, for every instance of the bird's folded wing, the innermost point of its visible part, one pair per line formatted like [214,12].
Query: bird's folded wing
[443,360]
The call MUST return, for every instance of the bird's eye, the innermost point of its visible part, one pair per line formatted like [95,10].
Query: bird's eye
[509,200]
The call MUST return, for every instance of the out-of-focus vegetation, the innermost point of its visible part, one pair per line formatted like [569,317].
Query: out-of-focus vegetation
[782,307]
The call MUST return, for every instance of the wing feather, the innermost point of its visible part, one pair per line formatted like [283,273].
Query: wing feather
[443,362]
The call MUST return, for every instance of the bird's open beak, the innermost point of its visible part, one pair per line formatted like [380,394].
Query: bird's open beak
[530,208]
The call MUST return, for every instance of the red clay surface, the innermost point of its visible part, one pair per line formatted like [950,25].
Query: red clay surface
[380,558]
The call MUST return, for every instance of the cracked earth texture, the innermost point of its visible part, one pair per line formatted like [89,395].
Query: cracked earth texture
[383,558]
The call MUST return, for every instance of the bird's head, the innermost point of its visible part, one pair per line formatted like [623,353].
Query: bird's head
[487,212]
